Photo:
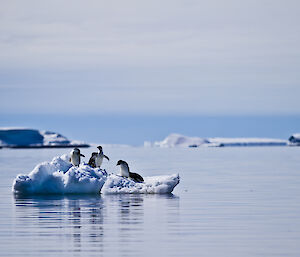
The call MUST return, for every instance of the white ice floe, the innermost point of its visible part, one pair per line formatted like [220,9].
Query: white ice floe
[246,141]
[116,184]
[60,177]
[177,140]
[32,138]
[294,140]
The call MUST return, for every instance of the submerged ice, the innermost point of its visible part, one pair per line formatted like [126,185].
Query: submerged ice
[60,177]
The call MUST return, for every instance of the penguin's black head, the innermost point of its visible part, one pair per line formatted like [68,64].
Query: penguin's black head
[77,151]
[120,162]
[99,147]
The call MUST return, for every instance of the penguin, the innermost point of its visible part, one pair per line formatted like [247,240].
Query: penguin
[75,157]
[92,160]
[125,172]
[99,157]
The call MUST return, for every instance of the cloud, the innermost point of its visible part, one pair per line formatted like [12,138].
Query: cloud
[153,55]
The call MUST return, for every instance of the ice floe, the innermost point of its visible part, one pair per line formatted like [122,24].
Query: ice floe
[174,140]
[244,141]
[60,177]
[116,184]
[32,138]
[177,140]
[294,140]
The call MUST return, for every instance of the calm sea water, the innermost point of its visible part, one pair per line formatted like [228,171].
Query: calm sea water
[230,202]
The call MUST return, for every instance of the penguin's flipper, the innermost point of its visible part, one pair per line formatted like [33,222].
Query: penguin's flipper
[82,155]
[105,157]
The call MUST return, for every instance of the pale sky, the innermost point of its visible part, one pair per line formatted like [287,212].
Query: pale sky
[150,57]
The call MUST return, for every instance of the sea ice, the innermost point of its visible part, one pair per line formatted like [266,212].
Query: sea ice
[247,141]
[116,184]
[32,138]
[60,177]
[176,140]
[294,140]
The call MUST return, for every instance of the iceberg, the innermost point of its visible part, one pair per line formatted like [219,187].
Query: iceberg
[294,140]
[32,138]
[177,140]
[116,184]
[60,177]
[251,141]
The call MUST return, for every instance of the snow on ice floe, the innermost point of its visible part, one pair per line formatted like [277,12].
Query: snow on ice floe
[32,138]
[60,177]
[177,140]
[116,184]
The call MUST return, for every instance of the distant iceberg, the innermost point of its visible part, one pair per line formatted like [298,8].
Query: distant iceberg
[251,141]
[174,140]
[32,138]
[294,140]
[60,177]
[177,140]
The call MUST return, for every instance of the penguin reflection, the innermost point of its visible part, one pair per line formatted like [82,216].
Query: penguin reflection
[131,209]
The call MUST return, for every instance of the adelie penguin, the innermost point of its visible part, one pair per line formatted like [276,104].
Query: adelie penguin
[97,158]
[75,157]
[125,172]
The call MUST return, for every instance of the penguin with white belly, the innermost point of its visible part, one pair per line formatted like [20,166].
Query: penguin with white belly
[75,157]
[97,158]
[125,172]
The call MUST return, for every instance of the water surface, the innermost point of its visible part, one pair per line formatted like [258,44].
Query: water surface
[230,202]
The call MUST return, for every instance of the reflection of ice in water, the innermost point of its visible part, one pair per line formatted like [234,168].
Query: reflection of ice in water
[111,225]
[66,217]
[135,220]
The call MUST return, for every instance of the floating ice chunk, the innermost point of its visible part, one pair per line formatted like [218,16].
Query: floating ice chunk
[251,141]
[176,140]
[294,140]
[32,138]
[152,185]
[60,177]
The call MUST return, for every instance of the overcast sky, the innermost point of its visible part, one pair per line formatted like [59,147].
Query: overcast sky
[150,57]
